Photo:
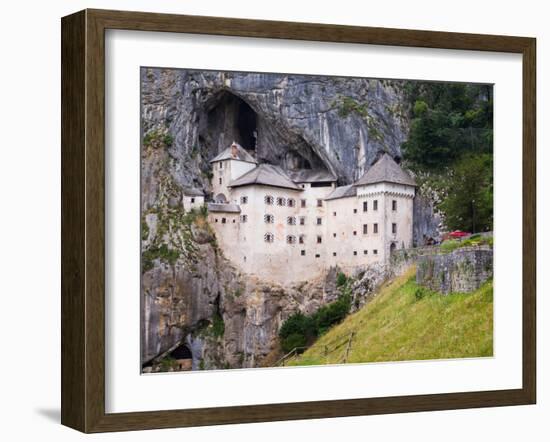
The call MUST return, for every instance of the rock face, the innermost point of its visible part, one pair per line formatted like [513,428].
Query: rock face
[191,295]
[463,270]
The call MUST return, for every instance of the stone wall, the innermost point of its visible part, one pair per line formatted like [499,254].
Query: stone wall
[463,270]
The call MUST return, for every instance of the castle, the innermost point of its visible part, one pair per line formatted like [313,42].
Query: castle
[291,226]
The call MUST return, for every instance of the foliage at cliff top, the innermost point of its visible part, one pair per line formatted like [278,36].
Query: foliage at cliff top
[450,147]
[407,322]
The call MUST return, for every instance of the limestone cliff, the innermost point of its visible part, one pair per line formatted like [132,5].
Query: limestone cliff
[190,293]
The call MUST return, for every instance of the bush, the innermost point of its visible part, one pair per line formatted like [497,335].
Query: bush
[341,279]
[331,314]
[449,245]
[218,326]
[297,325]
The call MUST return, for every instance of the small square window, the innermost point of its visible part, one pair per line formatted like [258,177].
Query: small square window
[333,253]
[220,181]
[334,235]
[317,256]
[244,200]
[319,239]
[355,253]
[224,220]
[302,221]
[319,203]
[355,233]
[365,252]
[375,252]
[221,165]
[303,203]
[319,221]
[192,200]
[354,210]
[216,220]
[303,252]
[334,213]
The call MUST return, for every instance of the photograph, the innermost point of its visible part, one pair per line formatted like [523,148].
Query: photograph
[302,220]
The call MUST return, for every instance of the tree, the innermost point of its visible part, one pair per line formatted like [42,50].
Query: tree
[469,202]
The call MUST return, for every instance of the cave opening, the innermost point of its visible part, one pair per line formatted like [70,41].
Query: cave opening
[181,352]
[229,118]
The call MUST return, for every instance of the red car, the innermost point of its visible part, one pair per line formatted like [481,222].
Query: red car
[459,234]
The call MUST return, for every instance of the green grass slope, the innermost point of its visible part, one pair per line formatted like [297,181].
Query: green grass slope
[407,322]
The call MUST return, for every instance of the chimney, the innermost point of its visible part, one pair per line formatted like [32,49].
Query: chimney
[234,150]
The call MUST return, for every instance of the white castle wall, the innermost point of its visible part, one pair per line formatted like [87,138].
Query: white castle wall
[278,261]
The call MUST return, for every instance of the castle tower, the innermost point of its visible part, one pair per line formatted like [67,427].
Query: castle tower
[386,193]
[227,166]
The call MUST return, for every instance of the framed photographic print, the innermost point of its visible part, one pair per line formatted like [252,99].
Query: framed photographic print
[268,221]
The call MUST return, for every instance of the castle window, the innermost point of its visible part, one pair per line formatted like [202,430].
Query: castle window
[394,205]
[223,220]
[216,220]
[394,228]
[303,203]
[192,200]
[354,210]
[291,239]
[221,165]
[301,239]
[220,181]
[375,228]
[233,221]
[317,255]
[281,201]
[365,229]
[333,213]
[303,252]
[365,252]
[319,221]
[268,200]
[268,237]
[244,218]
[355,253]
[375,205]
[244,199]
[319,203]
[291,221]
[302,220]
[355,233]
[334,235]
[291,202]
[375,252]
[319,239]
[365,206]
[333,253]
[269,219]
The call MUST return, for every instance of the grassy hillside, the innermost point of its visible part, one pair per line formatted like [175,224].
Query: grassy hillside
[407,322]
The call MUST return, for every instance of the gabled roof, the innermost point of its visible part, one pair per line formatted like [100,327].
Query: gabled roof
[266,174]
[226,208]
[312,176]
[234,152]
[385,170]
[342,192]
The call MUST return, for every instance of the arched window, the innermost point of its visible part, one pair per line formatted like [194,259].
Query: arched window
[291,239]
[291,202]
[268,237]
[268,200]
[291,221]
[281,201]
[269,219]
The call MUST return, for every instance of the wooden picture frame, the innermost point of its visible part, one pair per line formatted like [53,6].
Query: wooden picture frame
[83,220]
